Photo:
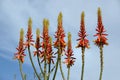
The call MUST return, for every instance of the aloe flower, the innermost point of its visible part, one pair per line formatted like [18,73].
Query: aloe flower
[101,40]
[37,43]
[46,45]
[59,44]
[69,60]
[46,53]
[28,43]
[101,36]
[50,52]
[60,35]
[20,54]
[83,42]
[29,35]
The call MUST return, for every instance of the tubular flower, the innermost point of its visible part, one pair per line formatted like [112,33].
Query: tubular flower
[37,44]
[46,52]
[69,60]
[20,54]
[101,36]
[59,34]
[29,34]
[83,41]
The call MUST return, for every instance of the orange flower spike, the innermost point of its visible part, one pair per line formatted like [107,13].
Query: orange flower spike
[29,34]
[69,60]
[20,54]
[37,38]
[45,36]
[37,44]
[60,34]
[83,41]
[101,36]
[50,52]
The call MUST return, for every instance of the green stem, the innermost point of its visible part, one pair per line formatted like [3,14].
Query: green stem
[56,68]
[82,72]
[101,62]
[45,69]
[20,65]
[68,76]
[61,69]
[33,64]
[49,69]
[40,64]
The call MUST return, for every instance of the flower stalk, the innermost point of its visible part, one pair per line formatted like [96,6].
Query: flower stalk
[69,60]
[29,43]
[83,42]
[60,45]
[20,54]
[101,40]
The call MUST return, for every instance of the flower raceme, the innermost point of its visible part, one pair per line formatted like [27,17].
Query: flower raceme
[50,52]
[20,54]
[46,45]
[29,34]
[101,36]
[60,34]
[37,43]
[69,60]
[83,41]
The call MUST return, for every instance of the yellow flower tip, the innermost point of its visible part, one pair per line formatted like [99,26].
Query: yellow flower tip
[99,11]
[21,33]
[30,21]
[51,40]
[69,36]
[60,17]
[37,32]
[46,22]
[82,15]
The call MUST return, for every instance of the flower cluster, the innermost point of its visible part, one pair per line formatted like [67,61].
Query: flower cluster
[83,41]
[101,36]
[69,60]
[46,45]
[20,54]
[60,34]
[44,48]
[37,43]
[29,34]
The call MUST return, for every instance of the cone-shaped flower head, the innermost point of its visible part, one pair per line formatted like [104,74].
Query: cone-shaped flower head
[101,36]
[37,43]
[83,41]
[45,29]
[50,52]
[69,60]
[46,52]
[29,34]
[60,42]
[20,54]
[37,38]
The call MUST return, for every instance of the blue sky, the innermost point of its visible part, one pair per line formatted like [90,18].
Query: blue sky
[14,15]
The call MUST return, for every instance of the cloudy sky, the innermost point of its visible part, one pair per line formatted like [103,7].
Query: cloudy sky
[14,15]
